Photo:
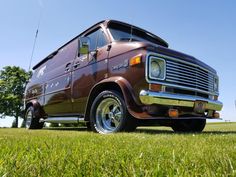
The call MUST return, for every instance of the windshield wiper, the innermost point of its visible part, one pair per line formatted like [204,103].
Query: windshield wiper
[129,39]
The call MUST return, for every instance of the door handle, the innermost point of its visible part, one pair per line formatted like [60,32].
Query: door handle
[76,64]
[67,68]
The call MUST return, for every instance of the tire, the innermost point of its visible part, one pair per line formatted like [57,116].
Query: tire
[32,122]
[109,114]
[190,125]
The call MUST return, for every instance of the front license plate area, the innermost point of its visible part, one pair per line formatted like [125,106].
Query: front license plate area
[200,106]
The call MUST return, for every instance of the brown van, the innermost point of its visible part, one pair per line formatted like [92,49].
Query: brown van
[116,76]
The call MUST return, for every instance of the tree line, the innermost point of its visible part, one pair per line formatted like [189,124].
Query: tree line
[13,80]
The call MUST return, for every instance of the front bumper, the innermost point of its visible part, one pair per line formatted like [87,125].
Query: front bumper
[168,99]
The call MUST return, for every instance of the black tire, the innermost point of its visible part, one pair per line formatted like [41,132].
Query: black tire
[189,125]
[32,122]
[109,114]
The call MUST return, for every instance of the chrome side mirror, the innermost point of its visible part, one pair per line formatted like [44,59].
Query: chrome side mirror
[84,45]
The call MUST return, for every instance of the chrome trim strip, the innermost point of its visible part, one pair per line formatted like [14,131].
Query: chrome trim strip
[174,69]
[186,79]
[58,90]
[172,79]
[162,98]
[188,83]
[175,85]
[204,79]
[187,68]
[182,61]
[62,120]
[34,97]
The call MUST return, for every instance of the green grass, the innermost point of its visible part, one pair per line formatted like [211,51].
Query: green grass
[146,152]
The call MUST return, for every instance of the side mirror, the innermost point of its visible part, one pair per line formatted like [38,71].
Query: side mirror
[84,45]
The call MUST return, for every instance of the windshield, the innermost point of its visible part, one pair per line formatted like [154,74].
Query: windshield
[121,32]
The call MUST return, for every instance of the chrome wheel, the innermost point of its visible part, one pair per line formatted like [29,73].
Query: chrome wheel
[28,117]
[109,115]
[31,121]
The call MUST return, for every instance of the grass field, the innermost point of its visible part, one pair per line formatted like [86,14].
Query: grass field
[146,152]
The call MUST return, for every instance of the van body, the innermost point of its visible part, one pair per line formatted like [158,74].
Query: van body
[116,76]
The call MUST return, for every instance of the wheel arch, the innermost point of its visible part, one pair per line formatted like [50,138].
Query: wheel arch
[120,85]
[38,110]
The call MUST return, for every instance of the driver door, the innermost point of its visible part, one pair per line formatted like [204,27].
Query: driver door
[89,69]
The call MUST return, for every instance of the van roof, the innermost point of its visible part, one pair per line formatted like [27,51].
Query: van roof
[56,51]
[106,23]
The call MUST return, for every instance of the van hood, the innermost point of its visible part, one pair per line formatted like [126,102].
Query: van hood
[120,47]
[180,55]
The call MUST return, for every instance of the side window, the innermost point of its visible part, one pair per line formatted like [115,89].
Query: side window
[64,56]
[97,39]
[101,39]
[93,40]
[68,52]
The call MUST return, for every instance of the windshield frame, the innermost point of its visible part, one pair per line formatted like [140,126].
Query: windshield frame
[134,33]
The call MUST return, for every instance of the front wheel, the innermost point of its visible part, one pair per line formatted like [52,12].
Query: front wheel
[189,125]
[109,114]
[32,122]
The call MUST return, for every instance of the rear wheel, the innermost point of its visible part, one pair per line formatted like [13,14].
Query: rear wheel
[32,122]
[189,125]
[109,114]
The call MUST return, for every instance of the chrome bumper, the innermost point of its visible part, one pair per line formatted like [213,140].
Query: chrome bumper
[168,99]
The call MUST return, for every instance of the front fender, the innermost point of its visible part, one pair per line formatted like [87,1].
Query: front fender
[133,103]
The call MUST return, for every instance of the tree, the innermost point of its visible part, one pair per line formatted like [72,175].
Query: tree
[12,85]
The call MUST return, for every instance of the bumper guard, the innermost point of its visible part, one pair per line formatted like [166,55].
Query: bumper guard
[168,99]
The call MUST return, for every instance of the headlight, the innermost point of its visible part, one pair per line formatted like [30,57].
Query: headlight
[216,84]
[157,68]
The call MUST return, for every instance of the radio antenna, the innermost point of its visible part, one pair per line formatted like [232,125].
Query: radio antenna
[35,39]
[131,33]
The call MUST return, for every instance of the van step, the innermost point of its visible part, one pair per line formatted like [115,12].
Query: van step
[63,120]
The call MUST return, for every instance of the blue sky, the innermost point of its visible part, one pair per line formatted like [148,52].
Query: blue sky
[204,29]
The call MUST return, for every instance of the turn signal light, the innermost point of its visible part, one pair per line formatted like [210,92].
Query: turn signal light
[155,87]
[216,115]
[135,60]
[173,113]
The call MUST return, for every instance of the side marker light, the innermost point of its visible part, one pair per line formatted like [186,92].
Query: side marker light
[135,60]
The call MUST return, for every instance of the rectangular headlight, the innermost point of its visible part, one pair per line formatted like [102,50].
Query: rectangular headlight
[157,68]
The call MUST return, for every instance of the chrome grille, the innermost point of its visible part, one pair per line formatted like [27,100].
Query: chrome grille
[189,75]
